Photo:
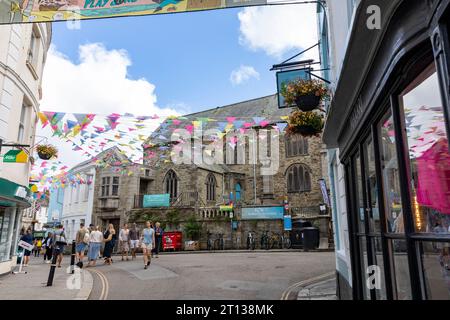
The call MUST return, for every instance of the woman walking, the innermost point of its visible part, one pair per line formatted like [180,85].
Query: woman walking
[110,241]
[95,244]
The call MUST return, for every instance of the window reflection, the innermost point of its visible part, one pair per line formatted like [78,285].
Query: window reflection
[389,166]
[428,152]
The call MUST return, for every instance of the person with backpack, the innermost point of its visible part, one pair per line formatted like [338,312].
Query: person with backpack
[81,242]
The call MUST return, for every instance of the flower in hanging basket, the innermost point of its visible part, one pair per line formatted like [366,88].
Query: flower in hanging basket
[46,151]
[305,123]
[305,94]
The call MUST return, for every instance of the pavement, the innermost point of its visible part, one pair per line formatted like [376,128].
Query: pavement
[321,290]
[220,275]
[32,285]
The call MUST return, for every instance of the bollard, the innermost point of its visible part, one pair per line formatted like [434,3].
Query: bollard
[51,275]
[72,258]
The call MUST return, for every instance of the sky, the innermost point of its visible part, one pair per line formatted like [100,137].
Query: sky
[170,64]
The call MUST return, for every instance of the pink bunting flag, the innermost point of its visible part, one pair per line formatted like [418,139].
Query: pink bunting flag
[231,119]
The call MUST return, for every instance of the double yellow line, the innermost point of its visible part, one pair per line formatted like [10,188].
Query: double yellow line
[105,284]
[287,292]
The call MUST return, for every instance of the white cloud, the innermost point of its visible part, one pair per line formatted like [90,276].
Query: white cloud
[99,84]
[243,74]
[278,29]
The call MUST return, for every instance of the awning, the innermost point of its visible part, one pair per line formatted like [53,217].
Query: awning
[14,195]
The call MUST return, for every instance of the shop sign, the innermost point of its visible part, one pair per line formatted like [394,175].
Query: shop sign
[15,156]
[323,188]
[287,223]
[284,77]
[268,213]
[156,200]
[25,245]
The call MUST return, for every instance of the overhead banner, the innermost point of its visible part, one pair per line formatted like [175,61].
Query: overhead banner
[17,11]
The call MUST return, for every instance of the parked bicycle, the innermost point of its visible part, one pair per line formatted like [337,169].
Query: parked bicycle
[251,241]
[209,242]
[265,240]
[286,240]
[219,243]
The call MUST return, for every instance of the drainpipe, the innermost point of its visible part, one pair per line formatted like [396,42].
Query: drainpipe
[254,169]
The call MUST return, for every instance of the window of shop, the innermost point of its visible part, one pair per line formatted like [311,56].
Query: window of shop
[4,227]
[423,115]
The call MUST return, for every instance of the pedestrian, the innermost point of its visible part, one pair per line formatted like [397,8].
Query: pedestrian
[48,247]
[134,236]
[110,241]
[124,240]
[28,238]
[34,251]
[81,242]
[60,243]
[38,247]
[95,244]
[159,232]
[147,240]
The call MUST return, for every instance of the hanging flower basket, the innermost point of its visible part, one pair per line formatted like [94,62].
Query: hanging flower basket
[46,151]
[308,102]
[305,94]
[305,123]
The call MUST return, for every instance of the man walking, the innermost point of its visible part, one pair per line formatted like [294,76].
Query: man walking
[81,241]
[134,237]
[148,240]
[124,240]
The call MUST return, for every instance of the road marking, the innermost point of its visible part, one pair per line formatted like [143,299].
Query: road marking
[105,284]
[306,282]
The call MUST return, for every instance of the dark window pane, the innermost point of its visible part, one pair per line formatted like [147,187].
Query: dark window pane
[400,272]
[435,267]
[390,173]
[364,264]
[360,201]
[372,188]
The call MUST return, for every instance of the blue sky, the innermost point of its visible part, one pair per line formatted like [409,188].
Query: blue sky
[188,57]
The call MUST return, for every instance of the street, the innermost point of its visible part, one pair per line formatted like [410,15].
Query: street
[211,276]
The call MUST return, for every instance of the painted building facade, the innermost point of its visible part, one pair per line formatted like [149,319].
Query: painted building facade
[23,50]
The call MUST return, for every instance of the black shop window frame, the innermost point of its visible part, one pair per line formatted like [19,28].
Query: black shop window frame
[422,56]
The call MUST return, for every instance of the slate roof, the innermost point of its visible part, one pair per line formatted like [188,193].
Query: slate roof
[265,108]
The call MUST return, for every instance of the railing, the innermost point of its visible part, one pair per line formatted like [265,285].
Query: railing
[306,212]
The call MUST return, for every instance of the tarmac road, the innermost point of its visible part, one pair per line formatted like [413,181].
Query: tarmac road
[218,276]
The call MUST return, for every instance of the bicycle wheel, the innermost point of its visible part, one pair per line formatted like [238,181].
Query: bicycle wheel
[216,244]
[287,243]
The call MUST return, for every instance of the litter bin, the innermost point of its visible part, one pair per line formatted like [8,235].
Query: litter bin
[310,237]
[297,234]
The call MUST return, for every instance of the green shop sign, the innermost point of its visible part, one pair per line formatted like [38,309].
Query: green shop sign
[12,194]
[17,156]
[156,200]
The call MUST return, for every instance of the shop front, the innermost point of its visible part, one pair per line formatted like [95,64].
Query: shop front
[13,199]
[390,122]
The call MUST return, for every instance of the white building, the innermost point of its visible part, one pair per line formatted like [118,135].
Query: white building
[78,198]
[23,50]
[334,31]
